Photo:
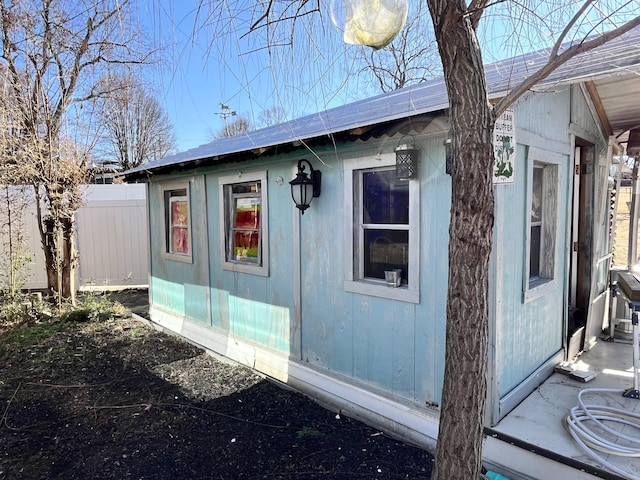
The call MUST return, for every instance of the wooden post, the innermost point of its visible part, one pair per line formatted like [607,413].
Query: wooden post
[632,255]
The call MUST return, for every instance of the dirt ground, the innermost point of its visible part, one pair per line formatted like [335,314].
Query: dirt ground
[119,400]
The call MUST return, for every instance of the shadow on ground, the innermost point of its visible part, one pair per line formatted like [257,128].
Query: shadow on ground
[117,400]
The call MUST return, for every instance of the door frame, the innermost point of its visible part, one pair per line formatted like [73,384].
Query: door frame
[590,258]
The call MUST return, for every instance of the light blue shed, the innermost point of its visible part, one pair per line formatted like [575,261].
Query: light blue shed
[236,268]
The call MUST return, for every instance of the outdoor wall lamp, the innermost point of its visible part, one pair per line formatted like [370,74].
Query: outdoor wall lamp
[448,155]
[633,144]
[305,187]
[406,161]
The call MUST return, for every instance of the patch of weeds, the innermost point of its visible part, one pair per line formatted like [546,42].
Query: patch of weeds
[14,312]
[22,308]
[137,332]
[308,432]
[90,307]
[120,310]
[26,320]
[26,336]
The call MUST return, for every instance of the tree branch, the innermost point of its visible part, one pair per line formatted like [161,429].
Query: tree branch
[476,9]
[265,15]
[568,27]
[559,59]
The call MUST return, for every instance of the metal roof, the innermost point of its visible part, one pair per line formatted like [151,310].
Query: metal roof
[614,69]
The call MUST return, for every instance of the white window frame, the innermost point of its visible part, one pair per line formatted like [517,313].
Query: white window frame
[353,281]
[167,200]
[547,280]
[224,183]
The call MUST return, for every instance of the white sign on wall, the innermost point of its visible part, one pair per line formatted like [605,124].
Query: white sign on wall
[504,148]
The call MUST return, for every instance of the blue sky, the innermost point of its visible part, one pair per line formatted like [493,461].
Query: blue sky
[204,66]
[198,73]
[190,87]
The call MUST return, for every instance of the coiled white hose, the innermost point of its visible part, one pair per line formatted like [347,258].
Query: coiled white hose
[586,424]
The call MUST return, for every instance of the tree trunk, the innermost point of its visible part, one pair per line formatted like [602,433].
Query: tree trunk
[68,258]
[459,447]
[49,248]
[60,271]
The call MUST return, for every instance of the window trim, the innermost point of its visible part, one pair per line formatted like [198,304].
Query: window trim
[378,288]
[236,266]
[546,282]
[167,254]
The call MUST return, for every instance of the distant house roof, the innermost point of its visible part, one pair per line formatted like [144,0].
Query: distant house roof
[386,112]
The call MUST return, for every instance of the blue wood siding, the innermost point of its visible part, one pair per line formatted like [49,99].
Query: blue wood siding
[393,345]
[253,307]
[582,117]
[176,286]
[545,115]
[530,331]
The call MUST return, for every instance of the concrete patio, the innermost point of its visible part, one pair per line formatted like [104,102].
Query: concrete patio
[533,440]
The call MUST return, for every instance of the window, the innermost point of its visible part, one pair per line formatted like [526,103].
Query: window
[384,231]
[536,222]
[177,219]
[244,210]
[542,220]
[381,229]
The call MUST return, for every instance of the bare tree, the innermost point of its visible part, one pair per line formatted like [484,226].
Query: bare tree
[15,198]
[271,116]
[240,124]
[411,58]
[14,202]
[232,128]
[136,127]
[53,52]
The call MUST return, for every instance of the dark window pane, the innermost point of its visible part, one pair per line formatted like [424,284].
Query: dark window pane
[534,262]
[386,250]
[250,187]
[385,198]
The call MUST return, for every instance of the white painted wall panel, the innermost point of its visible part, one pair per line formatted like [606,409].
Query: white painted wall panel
[112,236]
[112,239]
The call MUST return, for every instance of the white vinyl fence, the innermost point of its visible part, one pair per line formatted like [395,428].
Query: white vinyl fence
[111,238]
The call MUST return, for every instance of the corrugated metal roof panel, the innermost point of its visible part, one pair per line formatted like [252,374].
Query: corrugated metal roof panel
[619,56]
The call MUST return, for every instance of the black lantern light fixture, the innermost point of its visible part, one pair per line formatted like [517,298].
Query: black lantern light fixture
[406,161]
[633,144]
[448,156]
[305,187]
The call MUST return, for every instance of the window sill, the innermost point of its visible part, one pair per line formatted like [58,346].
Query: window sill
[177,257]
[380,289]
[539,288]
[262,271]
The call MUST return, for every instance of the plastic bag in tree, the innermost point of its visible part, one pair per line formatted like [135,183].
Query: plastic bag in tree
[374,23]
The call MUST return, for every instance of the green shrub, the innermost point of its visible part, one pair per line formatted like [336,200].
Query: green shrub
[90,307]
